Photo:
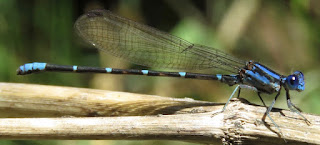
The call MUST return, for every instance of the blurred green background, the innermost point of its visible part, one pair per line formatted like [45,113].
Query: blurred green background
[282,34]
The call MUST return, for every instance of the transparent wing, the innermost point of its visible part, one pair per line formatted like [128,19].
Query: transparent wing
[147,46]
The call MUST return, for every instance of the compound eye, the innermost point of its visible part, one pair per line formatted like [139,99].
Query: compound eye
[293,81]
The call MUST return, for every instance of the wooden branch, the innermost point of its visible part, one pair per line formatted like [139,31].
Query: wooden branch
[26,100]
[186,119]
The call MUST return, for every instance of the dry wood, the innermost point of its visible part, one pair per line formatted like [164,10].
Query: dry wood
[185,119]
[26,100]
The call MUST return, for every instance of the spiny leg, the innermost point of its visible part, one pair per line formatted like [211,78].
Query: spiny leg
[238,87]
[224,107]
[239,92]
[259,94]
[270,108]
[294,108]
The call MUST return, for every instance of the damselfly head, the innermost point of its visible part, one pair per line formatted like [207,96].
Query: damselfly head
[295,81]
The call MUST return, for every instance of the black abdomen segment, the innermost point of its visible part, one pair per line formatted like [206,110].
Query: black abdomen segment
[40,67]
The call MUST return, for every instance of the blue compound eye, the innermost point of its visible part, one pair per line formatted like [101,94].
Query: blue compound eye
[293,81]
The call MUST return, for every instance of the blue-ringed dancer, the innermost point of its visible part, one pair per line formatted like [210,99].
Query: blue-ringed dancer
[143,45]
